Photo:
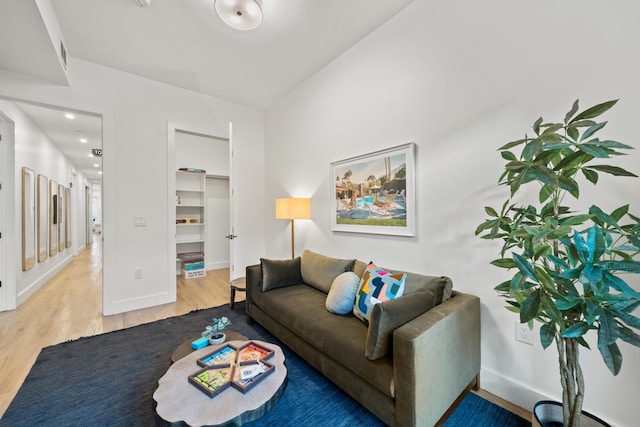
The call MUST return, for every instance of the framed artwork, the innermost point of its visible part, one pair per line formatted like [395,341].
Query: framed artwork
[375,192]
[53,218]
[43,217]
[28,218]
[61,218]
[67,217]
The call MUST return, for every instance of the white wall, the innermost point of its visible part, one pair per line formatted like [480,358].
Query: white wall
[203,152]
[135,114]
[461,78]
[34,150]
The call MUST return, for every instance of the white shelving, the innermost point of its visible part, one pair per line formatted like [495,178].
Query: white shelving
[190,222]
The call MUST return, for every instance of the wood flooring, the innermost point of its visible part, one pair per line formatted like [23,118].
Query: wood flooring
[69,306]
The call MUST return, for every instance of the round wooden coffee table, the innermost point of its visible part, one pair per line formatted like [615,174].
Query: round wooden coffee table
[178,402]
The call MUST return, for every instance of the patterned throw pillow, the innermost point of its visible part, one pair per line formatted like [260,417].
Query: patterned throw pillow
[376,286]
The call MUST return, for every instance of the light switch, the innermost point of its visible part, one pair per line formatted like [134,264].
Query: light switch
[140,221]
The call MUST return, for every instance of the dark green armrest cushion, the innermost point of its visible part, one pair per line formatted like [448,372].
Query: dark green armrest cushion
[389,315]
[280,273]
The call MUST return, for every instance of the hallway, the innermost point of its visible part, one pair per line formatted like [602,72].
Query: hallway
[70,306]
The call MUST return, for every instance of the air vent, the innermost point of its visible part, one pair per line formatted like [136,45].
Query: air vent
[97,152]
[63,55]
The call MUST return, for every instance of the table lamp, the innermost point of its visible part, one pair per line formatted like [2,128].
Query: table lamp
[293,208]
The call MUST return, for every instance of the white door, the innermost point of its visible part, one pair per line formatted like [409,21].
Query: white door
[232,236]
[217,221]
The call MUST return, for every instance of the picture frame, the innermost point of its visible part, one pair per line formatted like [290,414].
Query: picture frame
[375,192]
[53,217]
[28,219]
[61,218]
[67,217]
[43,217]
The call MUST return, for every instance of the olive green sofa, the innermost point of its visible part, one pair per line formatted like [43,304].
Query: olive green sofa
[430,356]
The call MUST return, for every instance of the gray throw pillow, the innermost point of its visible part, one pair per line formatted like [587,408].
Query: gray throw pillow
[320,271]
[342,294]
[280,273]
[389,315]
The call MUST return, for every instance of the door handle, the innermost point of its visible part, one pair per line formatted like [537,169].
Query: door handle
[230,236]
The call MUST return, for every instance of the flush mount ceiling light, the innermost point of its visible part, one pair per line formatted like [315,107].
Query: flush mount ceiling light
[239,14]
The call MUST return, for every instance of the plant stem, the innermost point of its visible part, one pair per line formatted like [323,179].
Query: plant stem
[571,379]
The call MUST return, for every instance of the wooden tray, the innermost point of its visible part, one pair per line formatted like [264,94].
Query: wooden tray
[246,385]
[212,379]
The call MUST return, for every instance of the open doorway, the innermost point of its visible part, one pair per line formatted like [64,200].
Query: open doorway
[64,149]
[200,202]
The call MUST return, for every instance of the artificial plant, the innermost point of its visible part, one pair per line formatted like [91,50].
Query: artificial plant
[567,263]
[217,325]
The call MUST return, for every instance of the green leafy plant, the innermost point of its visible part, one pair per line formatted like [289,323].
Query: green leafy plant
[567,264]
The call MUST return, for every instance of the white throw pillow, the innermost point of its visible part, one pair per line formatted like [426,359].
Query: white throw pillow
[342,294]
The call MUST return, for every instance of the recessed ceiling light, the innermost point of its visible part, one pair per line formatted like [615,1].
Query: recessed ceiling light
[70,116]
[95,165]
[83,140]
[100,172]
[90,155]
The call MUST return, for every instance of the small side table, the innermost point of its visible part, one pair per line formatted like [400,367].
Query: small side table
[185,349]
[238,284]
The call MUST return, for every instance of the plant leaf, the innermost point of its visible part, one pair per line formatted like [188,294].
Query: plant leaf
[610,352]
[594,111]
[530,306]
[571,112]
[504,263]
[592,176]
[613,170]
[576,330]
[627,335]
[525,267]
[547,334]
[592,129]
[490,211]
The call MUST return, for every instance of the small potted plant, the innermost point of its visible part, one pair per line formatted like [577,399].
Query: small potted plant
[214,332]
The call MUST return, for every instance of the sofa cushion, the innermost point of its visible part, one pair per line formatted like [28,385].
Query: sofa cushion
[342,293]
[279,273]
[342,338]
[377,285]
[389,315]
[320,271]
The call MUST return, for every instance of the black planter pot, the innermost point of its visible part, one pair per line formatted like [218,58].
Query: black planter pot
[548,413]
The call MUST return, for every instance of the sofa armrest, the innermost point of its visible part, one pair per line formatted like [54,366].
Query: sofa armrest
[435,357]
[253,274]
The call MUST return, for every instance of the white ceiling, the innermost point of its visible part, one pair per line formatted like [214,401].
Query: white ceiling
[66,134]
[183,43]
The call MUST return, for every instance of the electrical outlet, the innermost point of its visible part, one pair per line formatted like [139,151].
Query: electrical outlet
[523,333]
[137,273]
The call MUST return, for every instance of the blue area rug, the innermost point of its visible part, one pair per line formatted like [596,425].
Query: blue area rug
[109,380]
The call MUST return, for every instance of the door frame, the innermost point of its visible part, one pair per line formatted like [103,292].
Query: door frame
[8,297]
[172,127]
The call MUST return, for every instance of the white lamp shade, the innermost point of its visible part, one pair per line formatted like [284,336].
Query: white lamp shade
[293,208]
[239,14]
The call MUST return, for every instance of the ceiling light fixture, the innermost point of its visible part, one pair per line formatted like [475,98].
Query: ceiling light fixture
[143,3]
[239,14]
[70,116]
[83,140]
